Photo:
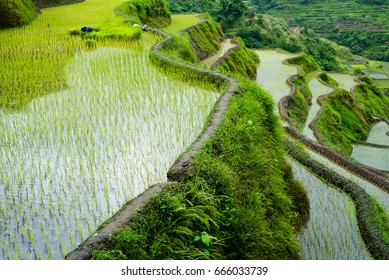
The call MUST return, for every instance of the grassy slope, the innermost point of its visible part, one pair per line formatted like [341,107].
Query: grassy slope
[298,105]
[242,61]
[346,118]
[239,202]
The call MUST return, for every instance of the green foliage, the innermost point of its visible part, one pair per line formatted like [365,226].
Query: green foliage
[180,48]
[327,79]
[242,61]
[238,202]
[360,25]
[16,13]
[52,3]
[307,63]
[152,12]
[205,37]
[265,31]
[231,13]
[298,108]
[196,6]
[346,118]
[299,103]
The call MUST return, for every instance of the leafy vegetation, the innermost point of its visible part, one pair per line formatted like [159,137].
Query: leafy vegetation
[180,48]
[16,13]
[327,79]
[205,37]
[360,25]
[348,117]
[196,6]
[152,12]
[307,63]
[226,208]
[264,31]
[241,61]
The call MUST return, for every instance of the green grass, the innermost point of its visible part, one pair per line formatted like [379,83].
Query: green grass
[345,118]
[33,58]
[238,202]
[361,27]
[327,79]
[182,21]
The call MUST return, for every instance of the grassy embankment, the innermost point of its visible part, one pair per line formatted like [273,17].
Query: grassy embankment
[238,201]
[203,40]
[299,103]
[349,116]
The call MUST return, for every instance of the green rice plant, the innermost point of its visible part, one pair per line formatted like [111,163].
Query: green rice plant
[329,211]
[102,129]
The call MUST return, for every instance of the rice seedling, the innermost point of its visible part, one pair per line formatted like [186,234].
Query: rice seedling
[330,211]
[381,196]
[114,132]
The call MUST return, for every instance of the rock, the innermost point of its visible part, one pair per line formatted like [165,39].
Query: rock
[87,29]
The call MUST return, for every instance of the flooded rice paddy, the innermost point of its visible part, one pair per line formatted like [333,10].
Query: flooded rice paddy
[332,231]
[372,156]
[272,73]
[70,160]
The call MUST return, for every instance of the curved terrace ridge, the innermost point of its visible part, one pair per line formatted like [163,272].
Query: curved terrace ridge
[179,168]
[375,176]
[374,241]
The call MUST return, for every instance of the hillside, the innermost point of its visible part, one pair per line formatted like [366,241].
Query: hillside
[362,25]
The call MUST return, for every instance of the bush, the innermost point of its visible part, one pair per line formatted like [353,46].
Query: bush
[152,12]
[16,13]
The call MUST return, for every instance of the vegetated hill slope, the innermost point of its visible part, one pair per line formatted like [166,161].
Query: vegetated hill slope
[152,12]
[16,13]
[52,3]
[349,116]
[197,6]
[264,31]
[361,25]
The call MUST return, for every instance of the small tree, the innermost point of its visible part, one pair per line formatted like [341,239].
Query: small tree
[231,12]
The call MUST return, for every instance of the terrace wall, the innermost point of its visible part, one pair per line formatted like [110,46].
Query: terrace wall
[181,167]
[366,210]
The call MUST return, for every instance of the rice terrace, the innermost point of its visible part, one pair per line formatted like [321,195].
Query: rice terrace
[162,130]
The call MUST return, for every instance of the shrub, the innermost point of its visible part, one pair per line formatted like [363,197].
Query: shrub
[16,13]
